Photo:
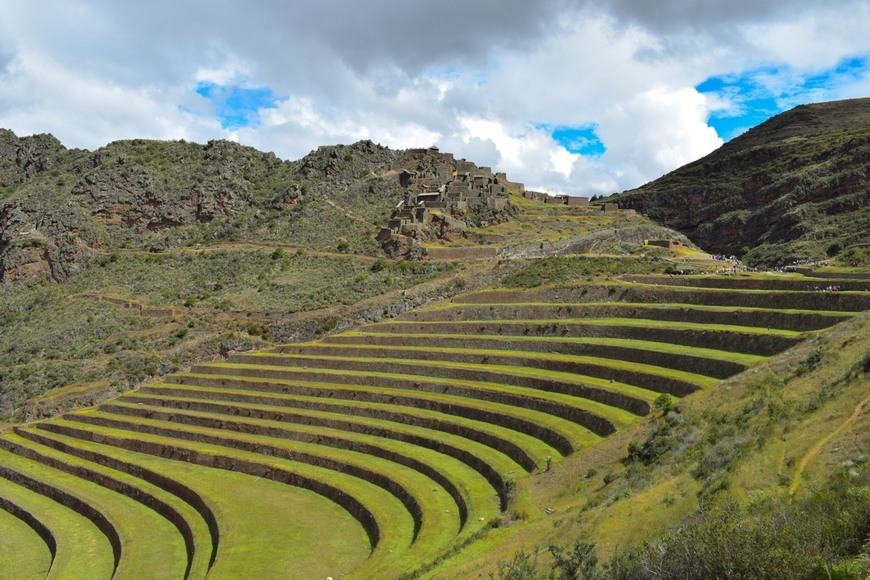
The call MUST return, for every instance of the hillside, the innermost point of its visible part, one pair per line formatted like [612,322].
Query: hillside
[210,366]
[156,255]
[795,187]
[554,421]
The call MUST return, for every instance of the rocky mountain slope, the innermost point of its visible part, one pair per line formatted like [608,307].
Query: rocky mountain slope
[146,259]
[60,207]
[795,187]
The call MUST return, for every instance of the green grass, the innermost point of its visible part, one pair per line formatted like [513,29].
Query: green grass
[629,322]
[507,370]
[473,491]
[534,446]
[23,552]
[267,548]
[643,305]
[526,370]
[55,447]
[82,550]
[407,485]
[255,525]
[151,546]
[528,450]
[457,447]
[747,360]
[485,389]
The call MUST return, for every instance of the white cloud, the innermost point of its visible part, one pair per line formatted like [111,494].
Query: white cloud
[658,130]
[230,72]
[39,96]
[814,40]
[475,78]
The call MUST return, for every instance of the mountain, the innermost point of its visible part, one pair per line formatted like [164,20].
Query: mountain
[59,208]
[795,187]
[158,254]
[538,396]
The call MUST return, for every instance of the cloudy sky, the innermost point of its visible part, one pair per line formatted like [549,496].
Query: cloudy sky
[575,96]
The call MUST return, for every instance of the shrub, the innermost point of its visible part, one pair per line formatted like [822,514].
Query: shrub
[834,249]
[521,567]
[327,325]
[664,404]
[580,562]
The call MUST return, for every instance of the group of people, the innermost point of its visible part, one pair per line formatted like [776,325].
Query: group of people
[828,288]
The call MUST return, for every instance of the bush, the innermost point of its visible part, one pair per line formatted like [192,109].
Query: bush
[580,562]
[664,404]
[327,325]
[521,567]
[834,249]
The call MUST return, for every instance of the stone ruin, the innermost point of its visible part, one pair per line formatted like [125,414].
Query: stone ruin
[443,197]
[545,198]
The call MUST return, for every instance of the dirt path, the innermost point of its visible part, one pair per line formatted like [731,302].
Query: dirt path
[814,451]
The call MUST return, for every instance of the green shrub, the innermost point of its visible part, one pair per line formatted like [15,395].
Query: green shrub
[327,325]
[521,567]
[834,249]
[580,562]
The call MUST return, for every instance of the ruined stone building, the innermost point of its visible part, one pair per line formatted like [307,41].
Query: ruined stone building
[444,195]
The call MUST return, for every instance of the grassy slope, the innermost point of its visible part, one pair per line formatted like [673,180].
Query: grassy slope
[745,440]
[175,307]
[23,553]
[637,503]
[207,294]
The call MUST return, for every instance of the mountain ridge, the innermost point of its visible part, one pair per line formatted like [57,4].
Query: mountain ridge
[786,190]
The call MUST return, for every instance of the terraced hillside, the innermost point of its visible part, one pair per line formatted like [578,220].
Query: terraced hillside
[383,451]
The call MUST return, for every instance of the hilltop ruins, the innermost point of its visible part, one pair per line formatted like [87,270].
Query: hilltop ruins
[445,196]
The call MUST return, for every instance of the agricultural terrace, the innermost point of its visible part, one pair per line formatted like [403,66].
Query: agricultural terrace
[381,451]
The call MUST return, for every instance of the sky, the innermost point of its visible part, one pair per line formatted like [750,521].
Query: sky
[567,96]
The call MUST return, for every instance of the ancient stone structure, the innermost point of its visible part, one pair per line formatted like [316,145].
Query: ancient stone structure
[443,196]
[572,200]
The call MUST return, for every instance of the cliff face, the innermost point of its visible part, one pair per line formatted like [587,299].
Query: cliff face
[22,159]
[785,190]
[58,207]
[139,187]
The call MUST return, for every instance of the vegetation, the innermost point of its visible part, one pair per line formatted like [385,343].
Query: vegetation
[139,315]
[788,190]
[432,450]
[562,269]
[579,405]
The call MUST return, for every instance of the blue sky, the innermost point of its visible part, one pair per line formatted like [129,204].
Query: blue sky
[758,94]
[237,106]
[580,140]
[573,96]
